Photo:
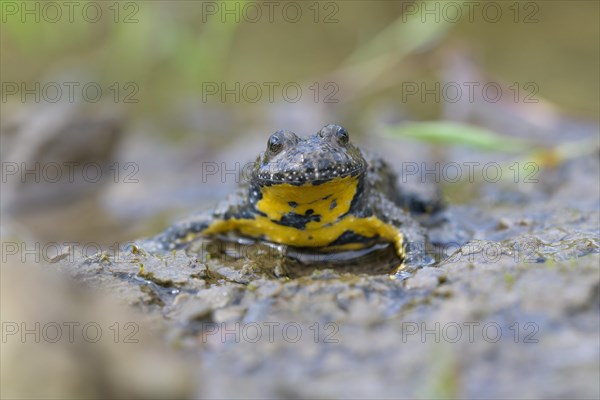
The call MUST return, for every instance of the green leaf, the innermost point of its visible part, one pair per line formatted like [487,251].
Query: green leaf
[452,133]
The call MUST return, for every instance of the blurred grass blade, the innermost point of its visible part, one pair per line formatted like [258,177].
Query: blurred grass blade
[402,37]
[452,133]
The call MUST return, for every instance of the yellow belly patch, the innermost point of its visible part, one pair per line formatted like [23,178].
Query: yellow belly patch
[319,237]
[281,199]
[329,201]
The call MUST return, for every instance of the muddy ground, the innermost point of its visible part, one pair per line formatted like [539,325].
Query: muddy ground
[510,311]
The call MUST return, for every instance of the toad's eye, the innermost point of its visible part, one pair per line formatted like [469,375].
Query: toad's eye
[275,144]
[342,135]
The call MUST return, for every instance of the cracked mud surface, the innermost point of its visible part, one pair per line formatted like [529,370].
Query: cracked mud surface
[508,311]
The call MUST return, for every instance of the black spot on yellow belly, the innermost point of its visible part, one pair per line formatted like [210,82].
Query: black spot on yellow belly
[353,237]
[298,221]
[333,204]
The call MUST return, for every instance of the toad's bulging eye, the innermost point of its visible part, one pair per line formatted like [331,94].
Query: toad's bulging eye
[275,144]
[342,135]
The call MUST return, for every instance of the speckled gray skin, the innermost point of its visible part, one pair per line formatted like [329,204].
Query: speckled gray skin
[326,155]
[316,159]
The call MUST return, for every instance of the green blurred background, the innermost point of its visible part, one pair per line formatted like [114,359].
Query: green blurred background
[170,47]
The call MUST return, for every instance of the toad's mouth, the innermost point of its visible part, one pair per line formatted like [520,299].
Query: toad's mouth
[307,175]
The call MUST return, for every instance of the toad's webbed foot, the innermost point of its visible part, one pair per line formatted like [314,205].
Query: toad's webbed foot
[183,232]
[413,234]
[178,235]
